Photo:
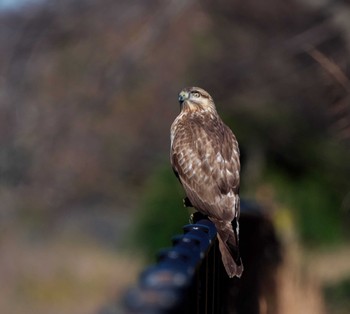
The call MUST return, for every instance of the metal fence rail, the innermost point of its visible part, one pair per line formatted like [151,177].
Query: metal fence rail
[185,278]
[189,277]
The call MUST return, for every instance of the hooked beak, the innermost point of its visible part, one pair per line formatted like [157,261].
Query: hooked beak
[183,96]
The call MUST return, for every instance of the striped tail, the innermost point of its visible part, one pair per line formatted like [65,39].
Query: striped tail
[228,244]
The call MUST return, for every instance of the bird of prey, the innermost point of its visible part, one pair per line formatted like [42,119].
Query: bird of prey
[204,155]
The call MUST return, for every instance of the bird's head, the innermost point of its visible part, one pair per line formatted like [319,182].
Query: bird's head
[196,99]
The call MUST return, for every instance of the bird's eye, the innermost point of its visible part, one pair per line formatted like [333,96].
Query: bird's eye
[196,94]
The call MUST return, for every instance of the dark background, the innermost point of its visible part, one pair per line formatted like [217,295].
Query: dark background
[88,91]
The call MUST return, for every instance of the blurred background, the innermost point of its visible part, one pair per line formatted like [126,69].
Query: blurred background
[88,91]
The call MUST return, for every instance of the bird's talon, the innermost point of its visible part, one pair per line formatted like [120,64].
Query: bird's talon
[187,202]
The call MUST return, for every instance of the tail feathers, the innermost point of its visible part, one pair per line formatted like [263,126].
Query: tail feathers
[228,244]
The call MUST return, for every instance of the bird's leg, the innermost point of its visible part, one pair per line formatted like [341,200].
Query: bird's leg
[187,202]
[196,216]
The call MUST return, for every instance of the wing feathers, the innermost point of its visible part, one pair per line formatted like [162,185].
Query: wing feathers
[205,155]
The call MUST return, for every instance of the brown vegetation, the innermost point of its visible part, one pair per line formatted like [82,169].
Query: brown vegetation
[87,95]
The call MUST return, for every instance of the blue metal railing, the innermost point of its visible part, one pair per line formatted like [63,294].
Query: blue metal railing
[184,279]
[189,277]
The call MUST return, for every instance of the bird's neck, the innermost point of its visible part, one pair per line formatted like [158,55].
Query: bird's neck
[194,109]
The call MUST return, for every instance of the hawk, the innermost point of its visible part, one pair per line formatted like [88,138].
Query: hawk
[204,155]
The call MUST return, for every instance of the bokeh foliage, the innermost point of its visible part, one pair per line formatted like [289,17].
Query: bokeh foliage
[162,213]
[338,297]
[88,91]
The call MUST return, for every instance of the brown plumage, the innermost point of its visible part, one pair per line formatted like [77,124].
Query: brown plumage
[205,157]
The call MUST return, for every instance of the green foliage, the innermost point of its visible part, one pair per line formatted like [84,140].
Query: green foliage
[162,214]
[314,205]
